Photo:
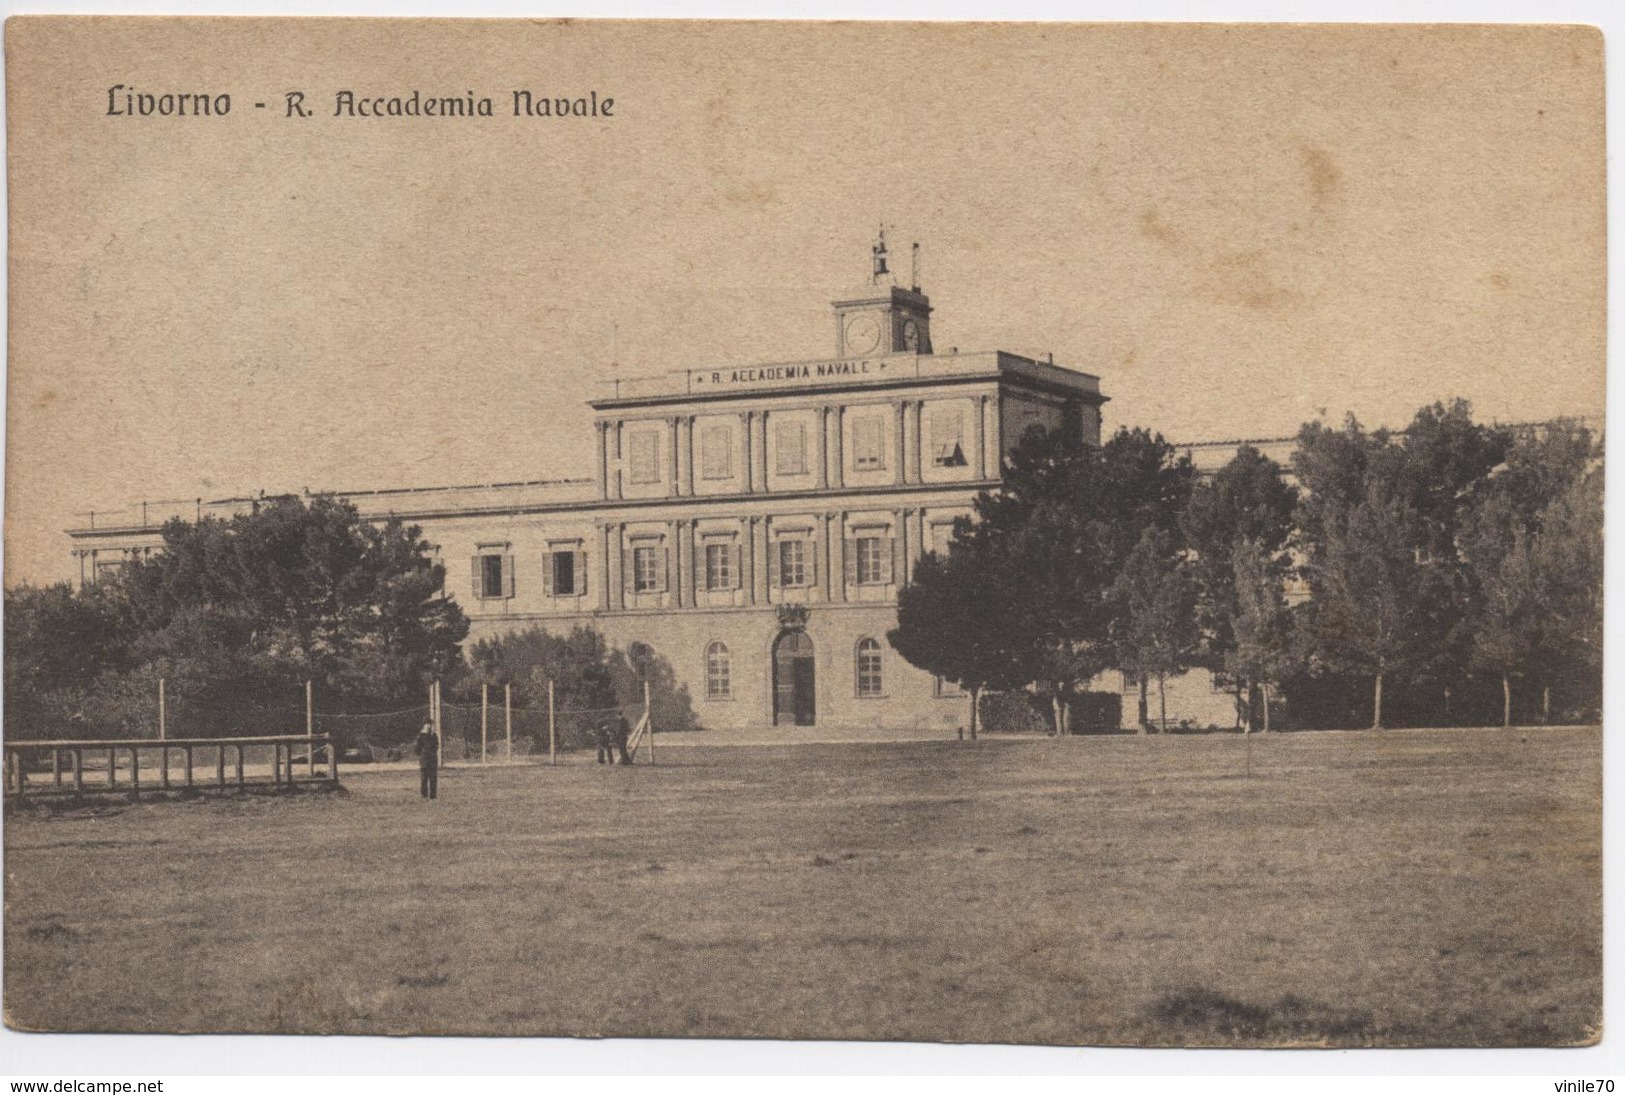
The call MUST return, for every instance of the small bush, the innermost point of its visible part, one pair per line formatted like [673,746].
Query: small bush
[1013,713]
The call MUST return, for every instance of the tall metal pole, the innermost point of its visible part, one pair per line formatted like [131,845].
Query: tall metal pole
[440,737]
[163,716]
[485,718]
[507,716]
[552,728]
[649,721]
[310,731]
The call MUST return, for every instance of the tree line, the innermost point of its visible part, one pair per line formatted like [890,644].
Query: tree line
[1396,578]
[235,615]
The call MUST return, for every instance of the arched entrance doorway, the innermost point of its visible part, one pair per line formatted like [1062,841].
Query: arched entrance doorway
[794,683]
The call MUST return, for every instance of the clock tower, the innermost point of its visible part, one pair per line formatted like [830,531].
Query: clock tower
[886,318]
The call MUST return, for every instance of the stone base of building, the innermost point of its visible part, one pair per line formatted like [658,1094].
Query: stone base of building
[825,674]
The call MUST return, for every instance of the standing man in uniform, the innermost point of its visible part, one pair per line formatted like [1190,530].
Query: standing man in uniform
[604,737]
[427,748]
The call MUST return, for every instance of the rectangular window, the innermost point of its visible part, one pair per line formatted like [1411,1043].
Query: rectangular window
[716,452]
[792,446]
[792,563]
[719,566]
[868,444]
[646,569]
[562,572]
[645,457]
[872,550]
[493,575]
[948,438]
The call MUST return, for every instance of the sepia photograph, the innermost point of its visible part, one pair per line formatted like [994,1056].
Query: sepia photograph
[1065,534]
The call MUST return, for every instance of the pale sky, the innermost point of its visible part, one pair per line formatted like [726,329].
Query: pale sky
[1237,229]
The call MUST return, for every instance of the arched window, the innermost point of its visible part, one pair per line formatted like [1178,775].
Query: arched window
[718,672]
[869,676]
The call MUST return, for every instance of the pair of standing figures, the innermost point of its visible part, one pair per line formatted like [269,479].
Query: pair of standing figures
[612,734]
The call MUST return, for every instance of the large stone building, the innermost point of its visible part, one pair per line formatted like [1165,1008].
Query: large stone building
[750,526]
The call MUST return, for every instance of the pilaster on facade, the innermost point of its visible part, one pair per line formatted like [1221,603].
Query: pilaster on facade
[838,449]
[827,577]
[617,574]
[822,433]
[619,461]
[675,451]
[981,436]
[916,445]
[605,572]
[600,459]
[900,427]
[747,562]
[761,451]
[686,447]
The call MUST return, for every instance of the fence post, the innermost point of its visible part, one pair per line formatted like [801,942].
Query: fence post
[485,718]
[649,721]
[188,766]
[310,730]
[56,768]
[552,728]
[163,720]
[220,766]
[507,716]
[78,768]
[333,759]
[135,769]
[112,768]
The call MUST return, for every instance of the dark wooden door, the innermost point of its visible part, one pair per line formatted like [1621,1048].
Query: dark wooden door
[806,705]
[794,681]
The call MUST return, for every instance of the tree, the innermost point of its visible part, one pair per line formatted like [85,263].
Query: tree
[58,644]
[1154,631]
[1261,647]
[1055,536]
[576,662]
[1533,551]
[243,611]
[1508,613]
[1246,502]
[953,621]
[1370,591]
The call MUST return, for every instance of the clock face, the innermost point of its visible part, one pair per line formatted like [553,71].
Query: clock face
[911,336]
[862,334]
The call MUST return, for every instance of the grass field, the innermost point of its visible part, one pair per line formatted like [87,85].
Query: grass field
[1407,887]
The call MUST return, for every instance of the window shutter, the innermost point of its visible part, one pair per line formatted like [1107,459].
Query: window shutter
[626,567]
[581,573]
[851,560]
[891,562]
[736,566]
[665,569]
[812,562]
[479,577]
[772,564]
[549,565]
[507,575]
